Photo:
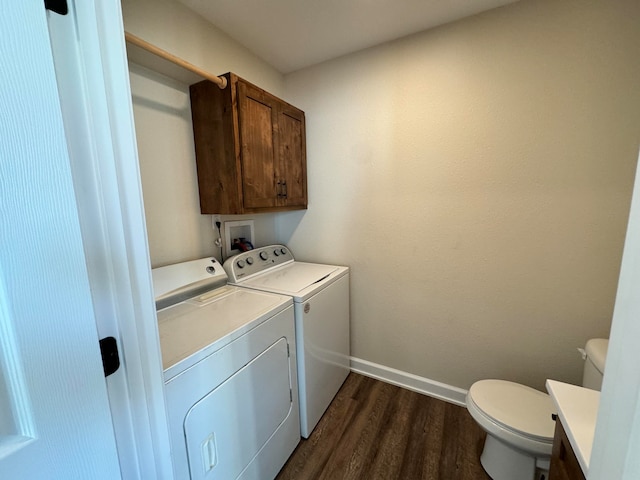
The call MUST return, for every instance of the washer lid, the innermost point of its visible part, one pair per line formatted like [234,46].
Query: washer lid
[516,407]
[596,349]
[293,277]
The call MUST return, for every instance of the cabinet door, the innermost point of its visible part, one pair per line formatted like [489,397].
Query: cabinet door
[292,168]
[564,464]
[259,144]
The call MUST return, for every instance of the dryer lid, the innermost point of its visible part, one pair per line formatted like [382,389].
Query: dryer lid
[516,407]
[293,277]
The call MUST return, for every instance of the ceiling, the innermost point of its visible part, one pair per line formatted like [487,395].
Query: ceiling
[293,34]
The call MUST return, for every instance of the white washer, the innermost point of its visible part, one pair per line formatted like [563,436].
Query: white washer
[229,369]
[321,304]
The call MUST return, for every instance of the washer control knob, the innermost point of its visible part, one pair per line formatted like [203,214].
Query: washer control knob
[276,252]
[240,263]
[211,269]
[264,255]
[249,260]
[283,251]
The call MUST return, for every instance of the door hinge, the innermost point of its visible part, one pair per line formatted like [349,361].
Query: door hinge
[57,6]
[291,395]
[288,352]
[110,357]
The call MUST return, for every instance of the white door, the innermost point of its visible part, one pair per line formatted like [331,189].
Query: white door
[617,437]
[55,421]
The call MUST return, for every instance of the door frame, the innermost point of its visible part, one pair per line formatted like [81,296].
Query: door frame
[108,191]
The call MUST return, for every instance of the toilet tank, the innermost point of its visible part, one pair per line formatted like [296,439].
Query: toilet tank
[595,352]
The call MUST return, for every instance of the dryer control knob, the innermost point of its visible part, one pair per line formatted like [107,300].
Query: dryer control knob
[264,255]
[276,252]
[240,263]
[283,251]
[249,260]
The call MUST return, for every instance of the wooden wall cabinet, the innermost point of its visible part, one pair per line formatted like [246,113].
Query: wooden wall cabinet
[564,464]
[250,149]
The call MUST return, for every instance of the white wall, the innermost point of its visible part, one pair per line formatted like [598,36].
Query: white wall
[177,231]
[477,179]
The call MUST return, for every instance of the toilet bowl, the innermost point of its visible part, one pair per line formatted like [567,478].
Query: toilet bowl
[519,429]
[518,420]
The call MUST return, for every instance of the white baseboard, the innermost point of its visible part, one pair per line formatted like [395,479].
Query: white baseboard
[410,381]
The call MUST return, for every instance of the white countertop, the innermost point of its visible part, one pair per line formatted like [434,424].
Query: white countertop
[577,409]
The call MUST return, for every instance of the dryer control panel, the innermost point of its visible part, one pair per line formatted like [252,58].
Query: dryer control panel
[175,283]
[255,261]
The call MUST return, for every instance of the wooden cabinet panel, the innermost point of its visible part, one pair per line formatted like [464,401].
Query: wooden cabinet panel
[292,147]
[257,147]
[214,132]
[564,464]
[250,149]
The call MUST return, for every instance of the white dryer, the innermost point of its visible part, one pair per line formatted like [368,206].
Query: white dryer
[229,369]
[321,303]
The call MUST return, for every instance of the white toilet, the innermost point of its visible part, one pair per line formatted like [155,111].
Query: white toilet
[518,420]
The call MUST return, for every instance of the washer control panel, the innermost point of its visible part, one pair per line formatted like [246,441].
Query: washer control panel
[255,261]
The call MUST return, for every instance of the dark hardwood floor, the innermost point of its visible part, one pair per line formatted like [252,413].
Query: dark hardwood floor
[373,430]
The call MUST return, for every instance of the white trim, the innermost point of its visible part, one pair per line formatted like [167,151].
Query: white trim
[410,381]
[129,255]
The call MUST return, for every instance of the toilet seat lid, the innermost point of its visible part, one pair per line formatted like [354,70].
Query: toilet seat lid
[516,407]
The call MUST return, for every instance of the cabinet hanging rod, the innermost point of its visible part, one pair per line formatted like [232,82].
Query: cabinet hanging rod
[137,41]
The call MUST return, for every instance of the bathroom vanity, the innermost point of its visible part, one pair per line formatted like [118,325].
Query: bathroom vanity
[575,426]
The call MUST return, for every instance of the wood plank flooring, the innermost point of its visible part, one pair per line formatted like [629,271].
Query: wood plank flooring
[376,431]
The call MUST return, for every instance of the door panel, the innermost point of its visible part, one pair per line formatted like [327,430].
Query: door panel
[257,118]
[293,156]
[53,393]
